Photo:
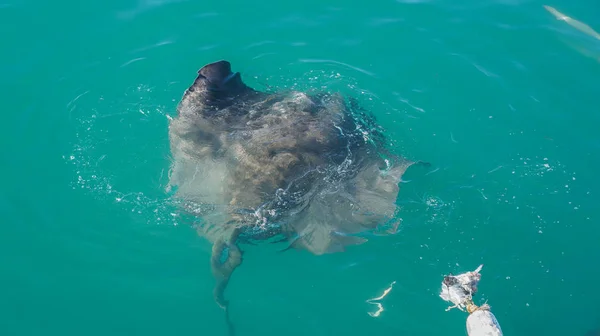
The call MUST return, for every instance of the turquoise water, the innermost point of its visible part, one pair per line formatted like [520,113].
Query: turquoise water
[499,96]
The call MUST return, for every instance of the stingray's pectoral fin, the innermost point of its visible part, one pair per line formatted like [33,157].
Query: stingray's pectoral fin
[280,240]
[345,240]
[423,163]
[321,238]
[226,257]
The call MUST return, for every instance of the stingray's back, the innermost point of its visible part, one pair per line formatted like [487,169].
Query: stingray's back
[289,160]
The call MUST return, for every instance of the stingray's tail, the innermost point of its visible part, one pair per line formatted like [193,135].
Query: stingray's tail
[223,270]
[230,327]
[219,292]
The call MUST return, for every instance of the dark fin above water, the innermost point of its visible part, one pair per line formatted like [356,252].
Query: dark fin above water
[216,85]
[219,77]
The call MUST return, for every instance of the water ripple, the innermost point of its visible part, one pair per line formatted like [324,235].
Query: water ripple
[263,55]
[132,61]
[258,44]
[307,60]
[207,47]
[144,6]
[297,20]
[345,42]
[206,15]
[384,21]
[298,44]
[156,45]
[479,68]
[414,1]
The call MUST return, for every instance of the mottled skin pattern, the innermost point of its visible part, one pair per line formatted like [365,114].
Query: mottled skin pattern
[286,164]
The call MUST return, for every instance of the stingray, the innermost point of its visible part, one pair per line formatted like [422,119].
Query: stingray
[310,170]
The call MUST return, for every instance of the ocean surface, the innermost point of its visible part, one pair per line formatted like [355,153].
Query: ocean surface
[498,95]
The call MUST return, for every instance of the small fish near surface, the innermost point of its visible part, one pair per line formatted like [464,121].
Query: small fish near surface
[310,169]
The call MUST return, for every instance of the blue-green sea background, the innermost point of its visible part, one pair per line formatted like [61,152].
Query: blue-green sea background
[498,95]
